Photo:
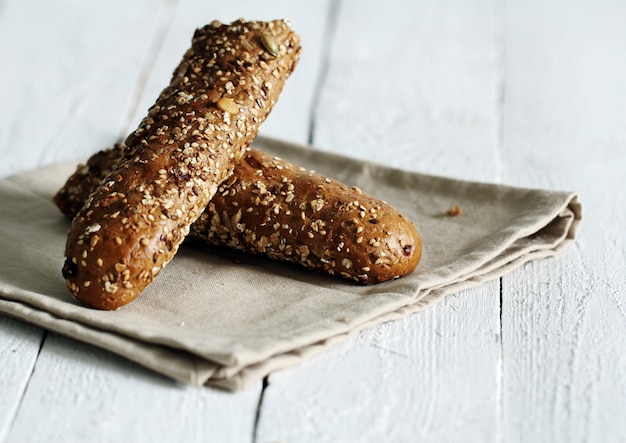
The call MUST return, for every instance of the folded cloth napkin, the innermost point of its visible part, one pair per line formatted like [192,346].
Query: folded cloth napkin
[227,319]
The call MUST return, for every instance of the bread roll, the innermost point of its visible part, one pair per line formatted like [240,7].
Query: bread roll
[275,208]
[199,127]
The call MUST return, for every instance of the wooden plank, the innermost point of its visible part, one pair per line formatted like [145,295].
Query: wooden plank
[58,66]
[68,72]
[414,87]
[82,393]
[564,327]
[19,347]
[430,377]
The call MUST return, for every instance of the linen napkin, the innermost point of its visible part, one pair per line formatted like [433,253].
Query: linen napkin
[227,319]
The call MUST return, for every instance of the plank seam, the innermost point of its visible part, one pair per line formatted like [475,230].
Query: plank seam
[500,383]
[27,384]
[164,22]
[257,416]
[329,35]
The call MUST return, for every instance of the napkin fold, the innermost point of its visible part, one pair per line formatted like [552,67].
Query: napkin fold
[227,319]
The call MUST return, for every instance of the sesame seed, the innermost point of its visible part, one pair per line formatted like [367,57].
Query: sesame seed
[317,204]
[110,287]
[93,228]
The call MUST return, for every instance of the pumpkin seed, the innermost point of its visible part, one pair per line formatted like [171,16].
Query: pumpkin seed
[270,44]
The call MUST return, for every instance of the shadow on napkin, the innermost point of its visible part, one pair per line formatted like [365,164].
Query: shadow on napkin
[210,319]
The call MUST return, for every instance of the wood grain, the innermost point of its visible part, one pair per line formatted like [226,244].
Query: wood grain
[66,81]
[429,377]
[414,87]
[82,393]
[60,87]
[19,349]
[564,324]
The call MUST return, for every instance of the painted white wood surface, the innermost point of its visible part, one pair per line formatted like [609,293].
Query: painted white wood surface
[564,319]
[67,75]
[19,349]
[511,91]
[431,377]
[414,86]
[79,393]
[61,90]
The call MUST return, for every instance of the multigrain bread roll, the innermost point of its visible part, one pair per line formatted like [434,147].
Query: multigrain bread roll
[274,208]
[199,127]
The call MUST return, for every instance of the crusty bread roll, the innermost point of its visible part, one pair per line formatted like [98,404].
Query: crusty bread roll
[199,127]
[274,208]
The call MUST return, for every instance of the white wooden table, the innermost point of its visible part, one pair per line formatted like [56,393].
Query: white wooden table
[529,93]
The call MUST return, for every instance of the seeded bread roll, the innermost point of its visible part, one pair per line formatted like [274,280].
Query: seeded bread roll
[274,208]
[199,127]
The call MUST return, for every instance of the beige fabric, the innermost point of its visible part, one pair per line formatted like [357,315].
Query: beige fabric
[228,319]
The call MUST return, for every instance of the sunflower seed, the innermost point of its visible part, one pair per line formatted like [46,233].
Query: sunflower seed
[228,105]
[270,44]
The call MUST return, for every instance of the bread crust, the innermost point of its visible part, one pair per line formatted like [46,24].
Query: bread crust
[274,208]
[201,124]
[71,197]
